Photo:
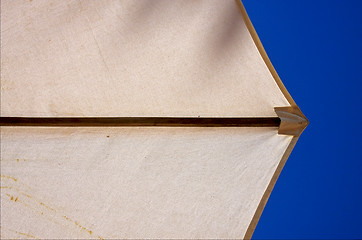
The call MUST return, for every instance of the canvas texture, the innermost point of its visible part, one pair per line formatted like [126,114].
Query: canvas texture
[147,182]
[132,58]
[141,58]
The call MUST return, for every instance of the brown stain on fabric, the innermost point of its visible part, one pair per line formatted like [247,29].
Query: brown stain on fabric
[78,225]
[26,195]
[12,188]
[50,208]
[17,199]
[9,177]
[46,211]
[67,218]
[20,160]
[12,197]
[27,235]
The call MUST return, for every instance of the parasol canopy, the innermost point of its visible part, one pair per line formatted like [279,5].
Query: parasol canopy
[138,119]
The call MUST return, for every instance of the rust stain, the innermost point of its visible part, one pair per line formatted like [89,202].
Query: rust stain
[25,194]
[8,177]
[20,233]
[87,230]
[67,218]
[100,238]
[79,225]
[43,204]
[12,197]
[32,203]
[27,235]
[18,160]
[16,199]
[35,210]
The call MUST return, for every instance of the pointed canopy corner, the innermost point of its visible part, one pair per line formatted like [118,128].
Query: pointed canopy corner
[292,120]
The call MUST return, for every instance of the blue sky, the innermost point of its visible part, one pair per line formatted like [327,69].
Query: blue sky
[316,48]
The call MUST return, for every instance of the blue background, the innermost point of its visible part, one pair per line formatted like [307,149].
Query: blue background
[316,48]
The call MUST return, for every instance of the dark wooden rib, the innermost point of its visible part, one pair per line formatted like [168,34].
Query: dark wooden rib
[139,121]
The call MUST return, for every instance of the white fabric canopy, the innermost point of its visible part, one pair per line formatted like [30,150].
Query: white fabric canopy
[132,58]
[135,182]
[149,58]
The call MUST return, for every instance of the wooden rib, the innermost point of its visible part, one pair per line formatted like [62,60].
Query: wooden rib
[259,210]
[139,121]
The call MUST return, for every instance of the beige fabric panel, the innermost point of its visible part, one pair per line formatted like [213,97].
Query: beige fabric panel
[134,182]
[131,58]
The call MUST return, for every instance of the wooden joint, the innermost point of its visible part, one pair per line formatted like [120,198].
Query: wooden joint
[292,120]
